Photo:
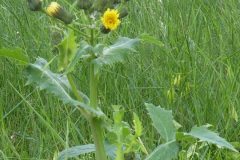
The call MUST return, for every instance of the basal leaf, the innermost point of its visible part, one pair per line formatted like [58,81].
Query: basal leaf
[162,121]
[16,54]
[137,125]
[117,52]
[76,151]
[167,151]
[56,84]
[67,50]
[204,134]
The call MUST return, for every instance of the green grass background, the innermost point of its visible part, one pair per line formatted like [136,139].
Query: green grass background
[201,43]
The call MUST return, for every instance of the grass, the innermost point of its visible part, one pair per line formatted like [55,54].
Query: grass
[201,43]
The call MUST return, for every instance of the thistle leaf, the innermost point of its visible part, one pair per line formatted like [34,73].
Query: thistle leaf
[56,84]
[204,134]
[82,53]
[167,151]
[67,50]
[117,52]
[76,151]
[162,121]
[16,54]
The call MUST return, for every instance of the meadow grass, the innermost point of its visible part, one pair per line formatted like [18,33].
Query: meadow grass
[201,44]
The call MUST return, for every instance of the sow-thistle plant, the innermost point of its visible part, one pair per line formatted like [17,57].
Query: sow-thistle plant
[103,16]
[113,139]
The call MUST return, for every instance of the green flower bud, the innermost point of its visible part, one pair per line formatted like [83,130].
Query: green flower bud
[84,4]
[104,30]
[56,11]
[35,5]
[102,5]
[123,13]
[116,1]
[119,1]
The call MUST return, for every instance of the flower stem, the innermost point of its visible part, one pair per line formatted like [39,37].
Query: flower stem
[95,123]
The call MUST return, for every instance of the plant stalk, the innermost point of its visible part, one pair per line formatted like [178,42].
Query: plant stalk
[95,123]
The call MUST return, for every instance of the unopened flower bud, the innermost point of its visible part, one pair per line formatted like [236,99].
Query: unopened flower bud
[84,4]
[102,5]
[123,13]
[35,5]
[57,11]
[116,1]
[104,30]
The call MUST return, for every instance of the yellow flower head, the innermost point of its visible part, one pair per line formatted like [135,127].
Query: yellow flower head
[53,9]
[110,19]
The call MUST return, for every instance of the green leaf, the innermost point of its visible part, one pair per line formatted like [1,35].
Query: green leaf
[76,151]
[16,54]
[118,114]
[152,40]
[204,134]
[67,50]
[110,150]
[56,84]
[167,151]
[117,52]
[82,53]
[162,121]
[137,125]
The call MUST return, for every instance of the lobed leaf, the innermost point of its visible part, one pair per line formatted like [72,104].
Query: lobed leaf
[76,151]
[56,84]
[67,50]
[117,52]
[162,121]
[167,151]
[204,134]
[16,54]
[82,53]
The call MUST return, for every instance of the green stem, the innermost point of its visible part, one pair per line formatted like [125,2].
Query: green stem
[95,123]
[97,130]
[76,94]
[97,133]
[74,88]
[93,87]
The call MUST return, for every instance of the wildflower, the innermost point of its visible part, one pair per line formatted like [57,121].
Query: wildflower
[35,5]
[110,19]
[55,10]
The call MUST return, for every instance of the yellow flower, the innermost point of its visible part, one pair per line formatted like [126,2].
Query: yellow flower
[53,9]
[110,19]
